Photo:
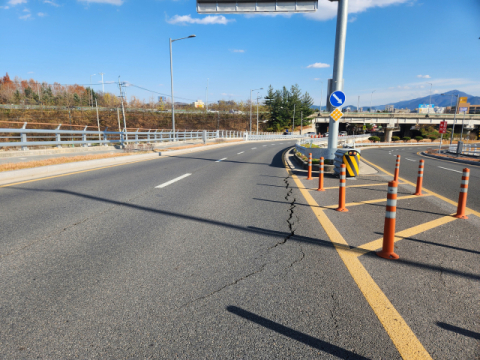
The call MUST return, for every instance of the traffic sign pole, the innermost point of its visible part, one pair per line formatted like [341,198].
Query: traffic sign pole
[337,81]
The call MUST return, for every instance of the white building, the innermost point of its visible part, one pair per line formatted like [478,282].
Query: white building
[199,104]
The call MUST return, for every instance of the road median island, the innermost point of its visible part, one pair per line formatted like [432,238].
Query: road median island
[432,283]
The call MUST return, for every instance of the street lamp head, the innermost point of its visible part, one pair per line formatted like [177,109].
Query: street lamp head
[191,36]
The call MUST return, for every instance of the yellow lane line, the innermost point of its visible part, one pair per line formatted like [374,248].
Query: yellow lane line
[397,329]
[76,172]
[377,244]
[428,191]
[351,186]
[374,201]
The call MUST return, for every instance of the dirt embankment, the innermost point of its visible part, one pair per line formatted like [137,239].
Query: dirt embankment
[134,119]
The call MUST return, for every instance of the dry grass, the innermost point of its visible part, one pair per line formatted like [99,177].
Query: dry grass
[60,160]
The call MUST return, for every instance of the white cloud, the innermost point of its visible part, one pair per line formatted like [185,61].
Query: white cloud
[30,72]
[208,20]
[5,7]
[423,76]
[237,51]
[328,10]
[316,79]
[111,2]
[51,3]
[41,14]
[16,2]
[318,66]
[25,17]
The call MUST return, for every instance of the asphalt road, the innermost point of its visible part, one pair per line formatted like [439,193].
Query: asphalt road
[442,177]
[104,264]
[145,261]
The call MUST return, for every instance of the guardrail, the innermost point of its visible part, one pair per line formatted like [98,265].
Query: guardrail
[23,137]
[316,141]
[468,149]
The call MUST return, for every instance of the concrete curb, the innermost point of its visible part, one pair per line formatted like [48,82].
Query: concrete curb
[451,159]
[327,168]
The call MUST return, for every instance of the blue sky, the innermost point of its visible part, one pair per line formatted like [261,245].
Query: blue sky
[394,47]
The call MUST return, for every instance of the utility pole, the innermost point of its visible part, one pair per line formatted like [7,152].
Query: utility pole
[337,80]
[358,104]
[206,97]
[257,113]
[293,123]
[301,122]
[123,109]
[103,84]
[98,121]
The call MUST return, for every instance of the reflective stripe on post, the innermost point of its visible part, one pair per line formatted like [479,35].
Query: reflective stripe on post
[462,197]
[320,175]
[397,169]
[341,191]
[309,167]
[418,192]
[390,218]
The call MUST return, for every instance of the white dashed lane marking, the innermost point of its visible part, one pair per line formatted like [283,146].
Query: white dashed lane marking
[172,181]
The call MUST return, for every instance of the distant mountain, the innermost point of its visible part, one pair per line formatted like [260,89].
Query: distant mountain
[437,100]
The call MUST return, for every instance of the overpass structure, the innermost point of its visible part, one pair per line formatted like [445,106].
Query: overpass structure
[398,122]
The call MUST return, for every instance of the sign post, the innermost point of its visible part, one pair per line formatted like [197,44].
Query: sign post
[442,130]
[337,80]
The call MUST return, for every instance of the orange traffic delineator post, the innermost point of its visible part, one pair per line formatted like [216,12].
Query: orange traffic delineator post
[418,192]
[389,228]
[341,192]
[462,198]
[320,175]
[397,168]
[309,167]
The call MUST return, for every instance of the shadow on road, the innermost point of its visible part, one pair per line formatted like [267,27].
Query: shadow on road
[459,330]
[295,335]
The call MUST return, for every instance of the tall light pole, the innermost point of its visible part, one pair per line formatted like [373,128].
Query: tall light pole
[358,104]
[257,112]
[371,96]
[171,80]
[454,116]
[206,98]
[430,103]
[251,107]
[91,95]
[103,85]
[293,121]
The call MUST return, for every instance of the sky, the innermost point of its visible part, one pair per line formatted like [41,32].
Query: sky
[394,49]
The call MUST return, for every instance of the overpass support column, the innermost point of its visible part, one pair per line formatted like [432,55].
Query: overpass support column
[388,135]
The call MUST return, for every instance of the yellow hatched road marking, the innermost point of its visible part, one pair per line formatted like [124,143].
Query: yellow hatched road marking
[374,201]
[471,211]
[377,244]
[397,329]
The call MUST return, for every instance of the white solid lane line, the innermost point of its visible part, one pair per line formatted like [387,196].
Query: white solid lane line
[240,153]
[253,148]
[451,169]
[221,160]
[172,181]
[409,159]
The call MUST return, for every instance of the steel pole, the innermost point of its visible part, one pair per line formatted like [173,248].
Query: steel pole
[257,113]
[463,121]
[454,120]
[337,81]
[171,80]
[293,123]
[250,111]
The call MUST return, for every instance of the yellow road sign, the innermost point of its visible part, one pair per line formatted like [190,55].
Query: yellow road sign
[336,114]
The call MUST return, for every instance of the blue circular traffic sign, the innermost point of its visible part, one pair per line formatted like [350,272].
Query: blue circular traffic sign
[337,98]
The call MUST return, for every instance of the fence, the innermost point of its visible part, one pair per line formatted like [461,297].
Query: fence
[24,137]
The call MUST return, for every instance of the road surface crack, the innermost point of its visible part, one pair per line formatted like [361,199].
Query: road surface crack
[225,286]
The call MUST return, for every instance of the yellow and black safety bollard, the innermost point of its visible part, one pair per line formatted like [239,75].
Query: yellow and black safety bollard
[351,159]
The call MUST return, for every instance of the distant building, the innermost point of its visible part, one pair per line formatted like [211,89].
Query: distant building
[390,108]
[426,109]
[474,109]
[402,111]
[199,104]
[439,110]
